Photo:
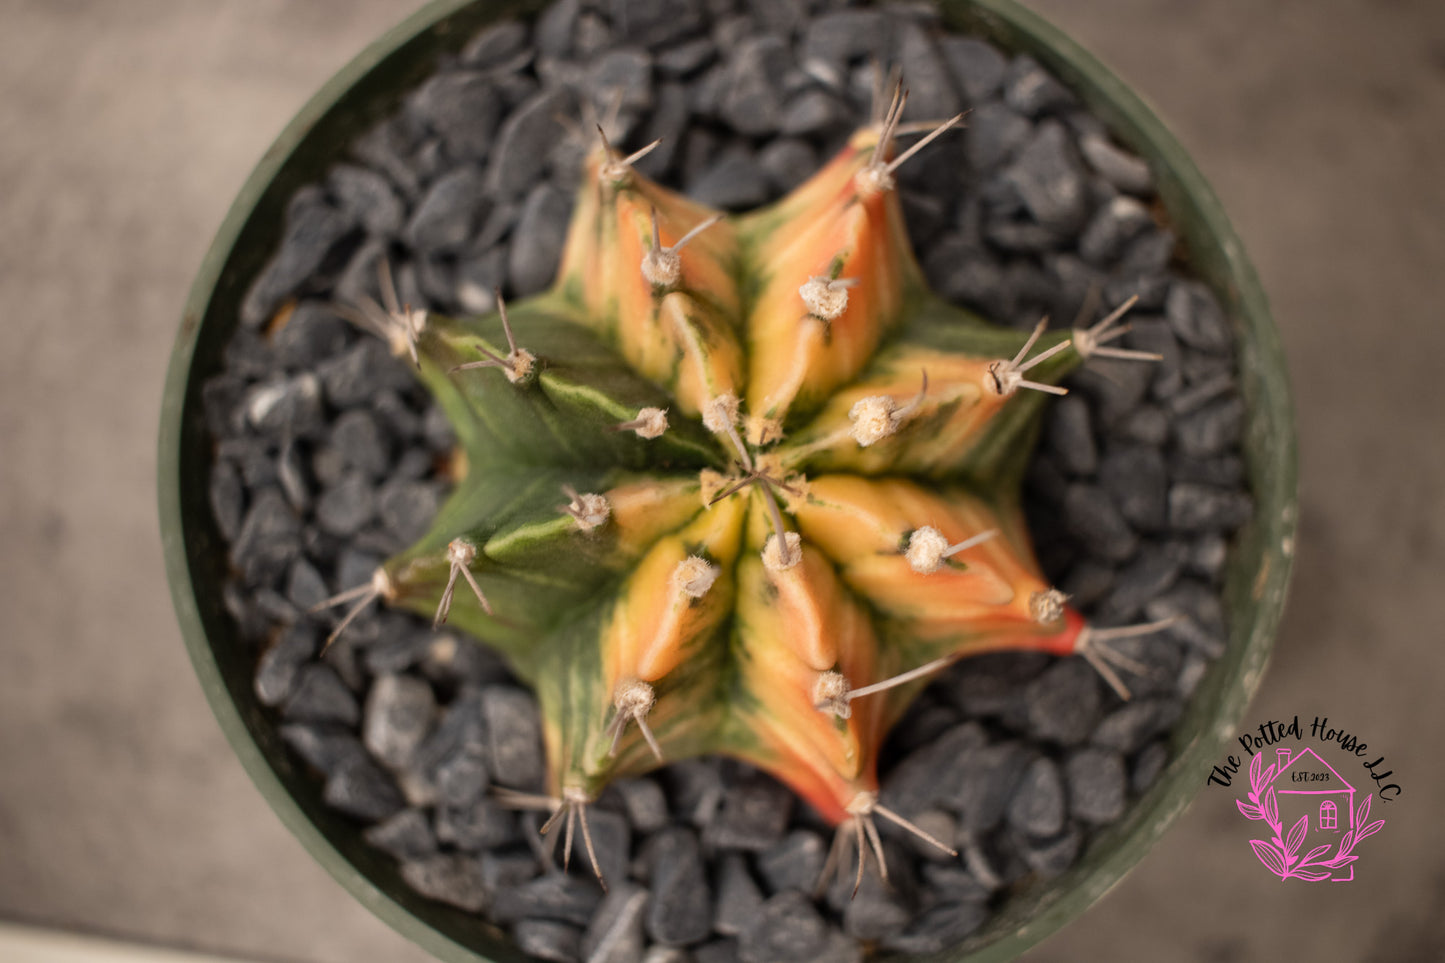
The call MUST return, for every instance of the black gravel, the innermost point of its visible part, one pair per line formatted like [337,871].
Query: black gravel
[329,458]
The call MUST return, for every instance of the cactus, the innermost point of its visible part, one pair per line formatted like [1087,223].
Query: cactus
[737,485]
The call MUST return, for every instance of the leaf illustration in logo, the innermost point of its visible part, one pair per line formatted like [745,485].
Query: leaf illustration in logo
[1315,853]
[1370,830]
[1295,838]
[1269,856]
[1271,807]
[1311,875]
[1250,812]
[1362,812]
[1256,772]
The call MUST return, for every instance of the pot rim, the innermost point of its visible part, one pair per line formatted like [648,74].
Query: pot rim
[1260,558]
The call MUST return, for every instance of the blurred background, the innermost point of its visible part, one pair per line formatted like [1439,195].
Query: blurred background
[127,128]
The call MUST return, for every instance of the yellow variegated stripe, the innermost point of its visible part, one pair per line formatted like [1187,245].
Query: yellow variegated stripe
[654,623]
[646,509]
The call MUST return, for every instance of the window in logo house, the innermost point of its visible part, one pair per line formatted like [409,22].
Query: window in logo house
[1327,815]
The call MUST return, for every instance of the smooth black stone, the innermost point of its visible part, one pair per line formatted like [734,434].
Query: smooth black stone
[735,180]
[787,163]
[324,748]
[221,400]
[795,863]
[656,23]
[362,442]
[228,499]
[514,736]
[977,67]
[645,803]
[1204,508]
[447,878]
[1208,556]
[926,74]
[319,695]
[346,507]
[1212,430]
[1049,180]
[1064,702]
[555,27]
[685,58]
[313,229]
[548,940]
[462,106]
[950,882]
[289,407]
[1038,808]
[680,911]
[1097,785]
[614,934]
[1147,766]
[508,867]
[526,135]
[406,508]
[1146,425]
[388,148]
[1197,319]
[716,951]
[1031,90]
[1224,471]
[671,114]
[1201,623]
[367,198]
[838,37]
[537,243]
[938,928]
[1150,574]
[1087,583]
[1051,857]
[1130,726]
[399,712]
[753,815]
[979,782]
[270,538]
[407,835]
[815,111]
[1120,168]
[611,841]
[787,930]
[925,721]
[752,101]
[878,909]
[738,897]
[280,664]
[454,754]
[305,588]
[310,335]
[450,212]
[1148,253]
[622,76]
[482,824]
[913,785]
[362,789]
[1112,227]
[1070,435]
[292,476]
[1091,517]
[567,897]
[695,789]
[494,44]
[355,377]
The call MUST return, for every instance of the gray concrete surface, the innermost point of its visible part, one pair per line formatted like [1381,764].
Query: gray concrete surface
[125,129]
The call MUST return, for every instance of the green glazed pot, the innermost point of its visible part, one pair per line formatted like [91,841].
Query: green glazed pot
[369,88]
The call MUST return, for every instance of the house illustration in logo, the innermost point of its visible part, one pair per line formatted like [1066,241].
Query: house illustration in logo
[1306,785]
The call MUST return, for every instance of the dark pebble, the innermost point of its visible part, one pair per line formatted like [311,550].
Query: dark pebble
[362,789]
[1150,574]
[1148,765]
[787,162]
[753,816]
[1199,613]
[319,695]
[1120,168]
[358,375]
[407,835]
[292,476]
[752,101]
[735,180]
[548,940]
[346,507]
[1051,857]
[1064,702]
[450,212]
[514,736]
[1049,180]
[938,928]
[912,786]
[878,909]
[1208,556]
[695,789]
[313,228]
[454,755]
[1092,518]
[644,802]
[932,96]
[406,508]
[680,911]
[537,243]
[840,36]
[228,499]
[1112,227]
[365,445]
[367,198]
[611,841]
[482,824]
[977,66]
[1211,430]
[311,334]
[1223,471]
[1196,318]
[656,23]
[494,44]
[1031,90]
[951,882]
[977,784]
[1070,436]
[1117,386]
[449,878]
[787,930]
[277,670]
[1145,425]
[795,863]
[1087,583]
[1203,508]
[325,748]
[566,897]
[286,406]
[525,136]
[716,951]
[1097,785]
[399,711]
[686,58]
[738,897]
[305,588]
[1130,726]
[614,934]
[1038,808]
[815,111]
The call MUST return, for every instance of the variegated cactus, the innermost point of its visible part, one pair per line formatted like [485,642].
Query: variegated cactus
[737,485]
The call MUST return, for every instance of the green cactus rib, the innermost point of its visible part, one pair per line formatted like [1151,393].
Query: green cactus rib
[729,474]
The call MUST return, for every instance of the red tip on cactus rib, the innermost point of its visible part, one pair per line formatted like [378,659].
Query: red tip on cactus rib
[790,477]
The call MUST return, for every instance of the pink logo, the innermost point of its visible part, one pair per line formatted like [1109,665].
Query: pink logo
[1328,829]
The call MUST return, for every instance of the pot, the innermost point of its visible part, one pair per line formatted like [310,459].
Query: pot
[369,88]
